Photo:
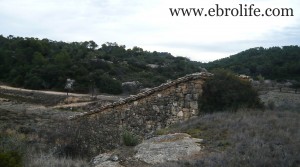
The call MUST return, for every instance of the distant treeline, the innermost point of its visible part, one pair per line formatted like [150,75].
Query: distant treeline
[276,63]
[46,64]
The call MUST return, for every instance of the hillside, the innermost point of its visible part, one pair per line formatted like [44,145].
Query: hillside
[45,64]
[277,63]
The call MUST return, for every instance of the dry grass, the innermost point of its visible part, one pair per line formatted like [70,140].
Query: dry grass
[281,100]
[49,160]
[245,138]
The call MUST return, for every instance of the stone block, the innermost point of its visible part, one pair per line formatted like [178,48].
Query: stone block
[181,103]
[194,105]
[155,108]
[178,90]
[188,97]
[185,90]
[185,110]
[186,104]
[195,112]
[175,104]
[180,114]
[198,86]
[195,96]
[180,95]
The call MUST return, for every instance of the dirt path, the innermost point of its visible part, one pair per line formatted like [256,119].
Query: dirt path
[57,99]
[41,91]
[79,104]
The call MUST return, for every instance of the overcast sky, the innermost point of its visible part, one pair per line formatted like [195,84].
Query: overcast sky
[148,24]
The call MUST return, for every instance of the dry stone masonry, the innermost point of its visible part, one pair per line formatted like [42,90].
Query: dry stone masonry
[148,111]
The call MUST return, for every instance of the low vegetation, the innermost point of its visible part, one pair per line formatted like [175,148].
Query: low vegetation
[12,149]
[39,159]
[226,91]
[245,138]
[35,145]
[130,139]
[10,159]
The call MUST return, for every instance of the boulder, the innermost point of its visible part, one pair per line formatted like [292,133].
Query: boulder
[171,147]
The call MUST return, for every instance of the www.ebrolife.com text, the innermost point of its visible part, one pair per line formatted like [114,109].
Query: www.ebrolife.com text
[242,10]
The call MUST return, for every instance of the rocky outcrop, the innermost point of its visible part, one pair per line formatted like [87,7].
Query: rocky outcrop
[161,149]
[105,160]
[172,147]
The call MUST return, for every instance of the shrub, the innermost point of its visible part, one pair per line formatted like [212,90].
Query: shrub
[11,150]
[130,139]
[226,91]
[10,159]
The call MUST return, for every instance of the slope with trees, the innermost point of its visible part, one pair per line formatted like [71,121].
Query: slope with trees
[276,63]
[46,64]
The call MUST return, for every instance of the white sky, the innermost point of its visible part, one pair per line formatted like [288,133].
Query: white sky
[148,24]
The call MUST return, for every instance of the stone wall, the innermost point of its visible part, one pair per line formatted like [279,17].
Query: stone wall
[148,111]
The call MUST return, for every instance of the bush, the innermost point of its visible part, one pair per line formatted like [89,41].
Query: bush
[11,150]
[226,91]
[10,159]
[130,139]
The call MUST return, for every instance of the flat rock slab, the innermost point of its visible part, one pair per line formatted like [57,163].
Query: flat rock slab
[171,147]
[105,160]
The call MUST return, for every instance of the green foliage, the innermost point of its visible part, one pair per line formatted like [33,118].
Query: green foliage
[277,63]
[260,78]
[46,64]
[130,139]
[226,91]
[163,131]
[11,150]
[10,159]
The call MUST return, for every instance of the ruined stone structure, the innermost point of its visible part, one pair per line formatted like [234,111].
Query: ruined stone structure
[153,109]
[158,107]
